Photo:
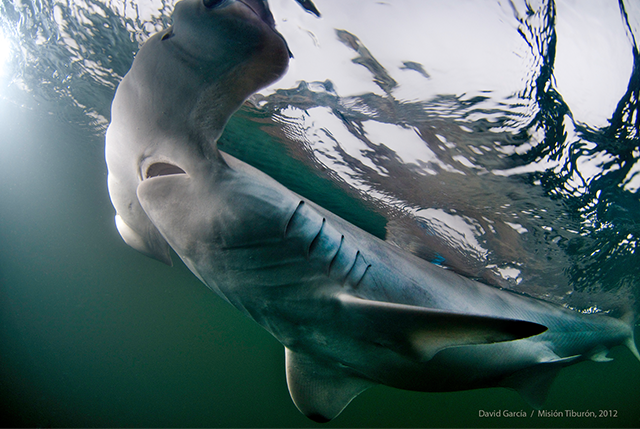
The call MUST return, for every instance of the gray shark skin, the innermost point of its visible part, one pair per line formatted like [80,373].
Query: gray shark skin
[351,310]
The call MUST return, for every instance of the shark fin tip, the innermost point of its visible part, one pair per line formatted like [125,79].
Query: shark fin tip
[631,345]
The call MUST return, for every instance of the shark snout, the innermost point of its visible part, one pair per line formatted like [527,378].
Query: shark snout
[171,107]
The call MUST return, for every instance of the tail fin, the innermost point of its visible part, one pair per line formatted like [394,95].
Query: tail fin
[629,318]
[632,346]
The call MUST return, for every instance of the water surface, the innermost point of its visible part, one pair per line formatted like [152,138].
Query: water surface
[498,139]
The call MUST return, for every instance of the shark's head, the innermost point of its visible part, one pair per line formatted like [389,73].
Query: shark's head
[171,108]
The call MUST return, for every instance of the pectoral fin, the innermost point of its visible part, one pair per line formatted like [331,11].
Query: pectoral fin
[424,332]
[321,390]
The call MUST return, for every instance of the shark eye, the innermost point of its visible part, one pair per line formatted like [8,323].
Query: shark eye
[210,4]
[163,169]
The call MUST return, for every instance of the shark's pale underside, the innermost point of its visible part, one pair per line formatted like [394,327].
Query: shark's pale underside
[351,310]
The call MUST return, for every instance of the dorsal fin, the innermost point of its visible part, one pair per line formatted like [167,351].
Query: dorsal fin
[321,390]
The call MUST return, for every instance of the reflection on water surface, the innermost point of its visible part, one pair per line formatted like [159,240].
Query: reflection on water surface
[498,139]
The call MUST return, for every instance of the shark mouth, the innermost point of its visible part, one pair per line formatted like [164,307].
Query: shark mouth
[163,169]
[259,7]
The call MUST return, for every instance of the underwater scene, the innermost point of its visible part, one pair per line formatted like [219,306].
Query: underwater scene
[498,140]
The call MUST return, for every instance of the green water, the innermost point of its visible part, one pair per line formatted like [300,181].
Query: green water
[94,334]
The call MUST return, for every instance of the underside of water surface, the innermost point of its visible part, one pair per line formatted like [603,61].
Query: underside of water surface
[498,139]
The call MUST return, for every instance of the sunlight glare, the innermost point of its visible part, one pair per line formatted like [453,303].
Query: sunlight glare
[5,52]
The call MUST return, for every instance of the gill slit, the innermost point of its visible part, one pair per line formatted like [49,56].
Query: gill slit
[315,239]
[290,220]
[336,255]
[355,260]
[362,276]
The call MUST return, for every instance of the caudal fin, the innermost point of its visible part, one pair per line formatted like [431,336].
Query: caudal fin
[632,346]
[630,342]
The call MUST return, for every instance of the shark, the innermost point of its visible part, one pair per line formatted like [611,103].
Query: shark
[352,311]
